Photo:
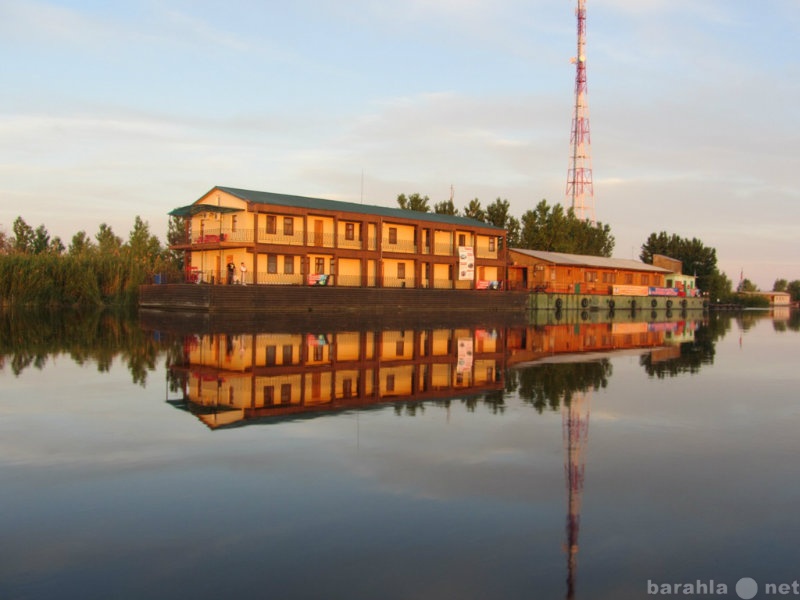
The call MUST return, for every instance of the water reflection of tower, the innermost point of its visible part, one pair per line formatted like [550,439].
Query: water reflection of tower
[575,423]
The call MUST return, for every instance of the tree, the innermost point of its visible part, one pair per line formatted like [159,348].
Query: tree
[747,286]
[41,240]
[513,229]
[56,246]
[780,285]
[497,213]
[474,210]
[176,234]
[794,289]
[81,244]
[5,242]
[414,202]
[553,230]
[23,237]
[697,259]
[445,208]
[107,241]
[142,245]
[718,286]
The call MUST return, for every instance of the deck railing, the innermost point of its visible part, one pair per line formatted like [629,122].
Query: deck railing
[214,277]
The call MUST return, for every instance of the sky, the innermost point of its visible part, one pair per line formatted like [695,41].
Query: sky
[112,110]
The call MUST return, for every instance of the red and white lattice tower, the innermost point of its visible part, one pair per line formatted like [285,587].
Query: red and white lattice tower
[580,190]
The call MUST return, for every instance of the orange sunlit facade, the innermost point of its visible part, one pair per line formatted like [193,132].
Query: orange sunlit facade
[229,379]
[235,236]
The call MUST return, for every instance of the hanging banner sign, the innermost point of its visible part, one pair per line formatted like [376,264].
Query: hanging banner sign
[659,291]
[464,355]
[629,290]
[466,263]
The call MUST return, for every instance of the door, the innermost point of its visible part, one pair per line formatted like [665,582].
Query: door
[318,238]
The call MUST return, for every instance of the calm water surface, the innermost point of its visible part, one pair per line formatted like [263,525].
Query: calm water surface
[587,459]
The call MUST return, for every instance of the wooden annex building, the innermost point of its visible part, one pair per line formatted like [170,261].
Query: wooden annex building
[251,237]
[561,273]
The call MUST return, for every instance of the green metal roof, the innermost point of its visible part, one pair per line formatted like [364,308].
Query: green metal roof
[335,205]
[193,209]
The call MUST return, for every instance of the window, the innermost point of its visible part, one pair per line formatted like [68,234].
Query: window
[319,265]
[390,383]
[628,277]
[269,395]
[316,385]
[590,276]
[392,235]
[491,244]
[401,270]
[347,388]
[286,393]
[233,223]
[272,263]
[288,265]
[230,395]
[270,360]
[288,225]
[272,226]
[349,231]
[319,353]
[462,239]
[287,354]
[645,279]
[399,348]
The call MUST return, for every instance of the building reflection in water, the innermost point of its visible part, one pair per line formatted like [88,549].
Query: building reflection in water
[231,379]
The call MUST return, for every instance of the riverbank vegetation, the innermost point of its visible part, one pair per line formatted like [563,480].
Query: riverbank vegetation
[37,270]
[29,337]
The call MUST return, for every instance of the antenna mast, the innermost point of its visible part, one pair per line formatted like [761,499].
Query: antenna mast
[580,190]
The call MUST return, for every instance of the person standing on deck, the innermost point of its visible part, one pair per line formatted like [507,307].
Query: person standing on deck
[231,272]
[243,269]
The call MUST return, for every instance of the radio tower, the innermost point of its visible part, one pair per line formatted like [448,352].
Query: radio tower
[580,192]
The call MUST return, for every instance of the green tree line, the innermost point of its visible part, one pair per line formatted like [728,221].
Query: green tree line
[36,269]
[548,228]
[701,260]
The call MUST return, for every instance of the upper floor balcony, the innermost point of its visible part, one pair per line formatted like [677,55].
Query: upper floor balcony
[209,238]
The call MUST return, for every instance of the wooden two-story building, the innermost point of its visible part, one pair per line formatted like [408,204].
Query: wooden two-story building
[250,237]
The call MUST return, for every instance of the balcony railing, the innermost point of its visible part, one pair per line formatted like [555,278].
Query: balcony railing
[214,277]
[226,238]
